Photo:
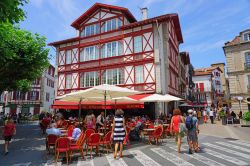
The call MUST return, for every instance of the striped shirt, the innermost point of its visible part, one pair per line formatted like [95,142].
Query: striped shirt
[119,132]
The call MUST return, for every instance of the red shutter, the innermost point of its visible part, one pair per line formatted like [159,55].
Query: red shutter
[14,95]
[28,96]
[23,95]
[202,87]
[37,95]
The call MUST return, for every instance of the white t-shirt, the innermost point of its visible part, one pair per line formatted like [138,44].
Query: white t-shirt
[211,113]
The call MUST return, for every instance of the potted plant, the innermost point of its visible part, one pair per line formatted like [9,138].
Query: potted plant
[223,118]
[246,118]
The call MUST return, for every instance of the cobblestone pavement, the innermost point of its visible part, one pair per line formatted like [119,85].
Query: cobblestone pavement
[28,149]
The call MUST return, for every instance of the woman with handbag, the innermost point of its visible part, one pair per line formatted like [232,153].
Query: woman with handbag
[177,127]
[9,131]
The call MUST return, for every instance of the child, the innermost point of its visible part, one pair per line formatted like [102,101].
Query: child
[9,131]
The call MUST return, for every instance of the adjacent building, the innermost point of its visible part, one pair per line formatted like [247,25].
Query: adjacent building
[208,86]
[237,54]
[112,47]
[39,98]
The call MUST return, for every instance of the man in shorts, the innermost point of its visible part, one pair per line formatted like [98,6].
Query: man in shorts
[192,137]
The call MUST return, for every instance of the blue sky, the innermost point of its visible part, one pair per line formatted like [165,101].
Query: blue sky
[206,24]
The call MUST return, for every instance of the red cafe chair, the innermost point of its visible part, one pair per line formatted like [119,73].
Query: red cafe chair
[93,141]
[157,134]
[70,130]
[51,141]
[88,132]
[78,146]
[62,146]
[106,141]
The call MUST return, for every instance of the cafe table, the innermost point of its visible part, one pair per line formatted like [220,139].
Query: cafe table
[149,131]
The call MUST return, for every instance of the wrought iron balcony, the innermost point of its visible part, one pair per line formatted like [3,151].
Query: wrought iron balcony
[247,65]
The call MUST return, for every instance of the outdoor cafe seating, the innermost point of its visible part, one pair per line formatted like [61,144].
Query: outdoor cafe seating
[100,140]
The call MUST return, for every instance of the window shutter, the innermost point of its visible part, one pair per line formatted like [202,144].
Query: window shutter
[14,95]
[28,96]
[37,95]
[202,87]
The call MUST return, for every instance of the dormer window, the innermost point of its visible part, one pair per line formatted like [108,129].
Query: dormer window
[246,36]
[111,25]
[90,30]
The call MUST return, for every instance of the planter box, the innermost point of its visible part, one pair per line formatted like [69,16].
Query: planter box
[246,123]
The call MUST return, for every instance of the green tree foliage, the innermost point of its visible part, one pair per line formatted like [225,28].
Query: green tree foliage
[23,57]
[11,11]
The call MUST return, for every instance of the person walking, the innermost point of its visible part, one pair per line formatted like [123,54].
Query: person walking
[176,127]
[192,131]
[211,115]
[118,131]
[204,113]
[9,131]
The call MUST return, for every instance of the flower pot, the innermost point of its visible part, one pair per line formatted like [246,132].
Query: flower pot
[224,120]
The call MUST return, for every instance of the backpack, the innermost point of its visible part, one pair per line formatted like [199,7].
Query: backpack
[189,122]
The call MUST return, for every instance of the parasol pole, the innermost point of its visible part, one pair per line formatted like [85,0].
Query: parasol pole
[80,108]
[105,100]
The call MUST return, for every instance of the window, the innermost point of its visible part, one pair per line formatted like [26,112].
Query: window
[68,56]
[113,77]
[91,30]
[247,60]
[246,37]
[139,74]
[111,25]
[34,95]
[137,44]
[68,81]
[111,49]
[47,96]
[89,79]
[89,53]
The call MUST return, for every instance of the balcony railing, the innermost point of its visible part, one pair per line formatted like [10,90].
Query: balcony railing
[247,65]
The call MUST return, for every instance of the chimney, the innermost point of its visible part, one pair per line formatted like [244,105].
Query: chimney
[144,12]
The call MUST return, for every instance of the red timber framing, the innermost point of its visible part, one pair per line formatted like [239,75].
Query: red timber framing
[127,62]
[173,46]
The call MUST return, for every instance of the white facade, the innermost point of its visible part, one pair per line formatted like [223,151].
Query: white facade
[208,86]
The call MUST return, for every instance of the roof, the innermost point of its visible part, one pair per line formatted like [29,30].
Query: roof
[236,40]
[205,71]
[134,22]
[161,18]
[97,6]
[64,41]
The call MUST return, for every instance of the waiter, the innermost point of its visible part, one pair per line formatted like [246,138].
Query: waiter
[100,121]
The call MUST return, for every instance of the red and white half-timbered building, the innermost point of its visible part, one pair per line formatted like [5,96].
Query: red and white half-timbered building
[112,47]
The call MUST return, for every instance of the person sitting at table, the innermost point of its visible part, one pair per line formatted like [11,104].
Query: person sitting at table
[53,130]
[158,121]
[76,132]
[100,120]
[90,120]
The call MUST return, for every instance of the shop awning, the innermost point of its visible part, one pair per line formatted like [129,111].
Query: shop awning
[95,105]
